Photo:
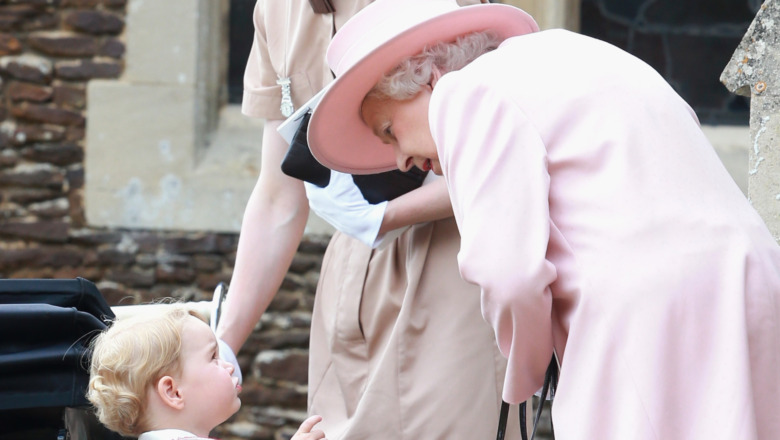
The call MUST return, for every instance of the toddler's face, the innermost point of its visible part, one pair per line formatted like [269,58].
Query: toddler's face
[206,382]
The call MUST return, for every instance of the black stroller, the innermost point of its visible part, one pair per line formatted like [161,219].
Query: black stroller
[45,329]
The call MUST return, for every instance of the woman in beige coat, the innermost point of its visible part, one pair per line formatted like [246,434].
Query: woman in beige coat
[399,349]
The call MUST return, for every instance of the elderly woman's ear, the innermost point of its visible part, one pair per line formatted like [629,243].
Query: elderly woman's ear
[435,75]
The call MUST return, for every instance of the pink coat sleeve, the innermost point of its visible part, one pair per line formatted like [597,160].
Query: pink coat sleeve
[495,165]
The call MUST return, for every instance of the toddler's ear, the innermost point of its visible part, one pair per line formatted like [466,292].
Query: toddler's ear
[169,394]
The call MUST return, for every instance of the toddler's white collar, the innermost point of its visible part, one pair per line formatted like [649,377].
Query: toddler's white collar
[168,434]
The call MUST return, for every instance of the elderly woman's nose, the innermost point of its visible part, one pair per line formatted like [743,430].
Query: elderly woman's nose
[403,161]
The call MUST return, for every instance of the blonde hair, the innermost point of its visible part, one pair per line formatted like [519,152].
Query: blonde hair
[411,74]
[128,358]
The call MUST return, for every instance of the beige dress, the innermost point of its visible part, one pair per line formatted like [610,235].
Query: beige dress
[399,348]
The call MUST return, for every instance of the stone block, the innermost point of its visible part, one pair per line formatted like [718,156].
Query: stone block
[314,244]
[173,260]
[46,114]
[39,3]
[244,430]
[180,34]
[20,91]
[94,237]
[74,176]
[57,154]
[114,257]
[177,275]
[24,196]
[303,263]
[278,340]
[112,48]
[209,281]
[116,294]
[120,158]
[753,71]
[131,277]
[82,70]
[283,366]
[40,256]
[74,133]
[142,242]
[95,22]
[33,176]
[284,301]
[84,4]
[42,21]
[70,97]
[27,67]
[114,3]
[9,45]
[20,133]
[11,16]
[13,258]
[90,273]
[207,263]
[150,178]
[227,243]
[55,231]
[199,244]
[76,212]
[63,44]
[146,261]
[255,394]
[50,209]
[8,159]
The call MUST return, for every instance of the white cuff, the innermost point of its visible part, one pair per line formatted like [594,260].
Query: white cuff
[227,355]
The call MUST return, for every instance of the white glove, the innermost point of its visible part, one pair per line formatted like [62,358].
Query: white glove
[225,352]
[342,205]
[227,355]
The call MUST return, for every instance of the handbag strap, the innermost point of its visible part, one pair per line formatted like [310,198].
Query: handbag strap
[549,386]
[502,420]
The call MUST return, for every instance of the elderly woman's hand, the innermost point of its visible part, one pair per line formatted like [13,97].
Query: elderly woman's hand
[342,205]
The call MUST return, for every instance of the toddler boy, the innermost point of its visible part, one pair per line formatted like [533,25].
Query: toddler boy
[160,377]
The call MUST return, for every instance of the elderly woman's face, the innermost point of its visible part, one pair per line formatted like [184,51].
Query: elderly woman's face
[404,126]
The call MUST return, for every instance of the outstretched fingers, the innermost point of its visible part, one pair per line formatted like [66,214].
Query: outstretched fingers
[306,431]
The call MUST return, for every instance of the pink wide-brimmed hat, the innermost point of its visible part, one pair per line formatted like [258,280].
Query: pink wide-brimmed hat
[373,42]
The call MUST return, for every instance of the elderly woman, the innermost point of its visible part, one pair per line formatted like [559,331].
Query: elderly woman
[594,215]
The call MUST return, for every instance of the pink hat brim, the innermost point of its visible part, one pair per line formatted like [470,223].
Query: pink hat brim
[338,137]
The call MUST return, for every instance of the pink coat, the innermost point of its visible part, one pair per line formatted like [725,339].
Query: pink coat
[599,222]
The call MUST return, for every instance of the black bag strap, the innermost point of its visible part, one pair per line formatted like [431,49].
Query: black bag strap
[502,420]
[549,386]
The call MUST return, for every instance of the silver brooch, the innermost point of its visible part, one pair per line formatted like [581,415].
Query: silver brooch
[287,104]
